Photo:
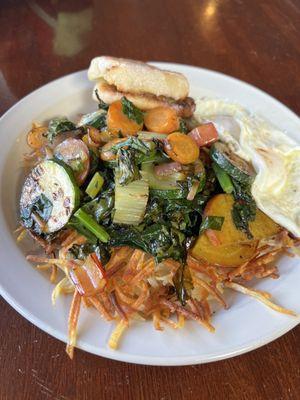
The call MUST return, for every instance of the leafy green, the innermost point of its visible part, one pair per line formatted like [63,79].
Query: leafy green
[101,104]
[95,185]
[155,153]
[97,119]
[198,178]
[82,251]
[131,111]
[160,240]
[180,288]
[127,167]
[42,208]
[244,207]
[211,222]
[132,142]
[183,126]
[57,126]
[75,224]
[101,207]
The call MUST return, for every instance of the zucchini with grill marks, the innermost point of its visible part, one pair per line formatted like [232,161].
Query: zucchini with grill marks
[49,197]
[235,166]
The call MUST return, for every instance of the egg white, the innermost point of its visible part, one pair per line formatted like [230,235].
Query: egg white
[275,158]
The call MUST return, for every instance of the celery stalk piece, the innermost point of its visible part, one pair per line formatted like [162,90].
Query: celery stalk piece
[95,185]
[223,178]
[88,221]
[131,201]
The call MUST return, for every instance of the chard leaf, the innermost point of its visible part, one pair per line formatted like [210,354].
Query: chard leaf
[101,207]
[97,119]
[42,208]
[244,208]
[127,167]
[82,251]
[132,142]
[211,222]
[57,126]
[131,111]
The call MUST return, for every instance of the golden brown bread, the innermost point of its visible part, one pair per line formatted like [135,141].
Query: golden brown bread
[138,78]
[108,93]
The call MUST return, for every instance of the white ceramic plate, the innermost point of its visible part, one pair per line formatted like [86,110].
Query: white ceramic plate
[244,327]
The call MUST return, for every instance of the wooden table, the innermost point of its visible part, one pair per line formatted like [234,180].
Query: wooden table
[256,41]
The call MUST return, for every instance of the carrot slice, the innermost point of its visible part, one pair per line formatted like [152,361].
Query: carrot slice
[181,148]
[161,120]
[117,121]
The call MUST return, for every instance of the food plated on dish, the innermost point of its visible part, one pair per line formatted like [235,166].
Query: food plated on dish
[154,205]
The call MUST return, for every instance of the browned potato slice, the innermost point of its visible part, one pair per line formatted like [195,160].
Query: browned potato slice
[233,248]
[221,205]
[229,255]
[263,226]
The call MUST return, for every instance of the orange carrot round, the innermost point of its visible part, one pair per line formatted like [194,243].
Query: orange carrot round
[181,148]
[161,120]
[118,122]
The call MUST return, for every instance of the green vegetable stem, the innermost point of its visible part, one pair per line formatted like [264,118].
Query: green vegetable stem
[92,225]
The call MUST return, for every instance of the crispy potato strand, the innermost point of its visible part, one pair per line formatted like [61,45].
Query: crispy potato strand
[261,296]
[73,321]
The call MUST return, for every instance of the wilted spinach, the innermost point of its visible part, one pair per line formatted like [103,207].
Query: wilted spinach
[97,119]
[42,208]
[82,251]
[128,170]
[244,208]
[57,126]
[101,207]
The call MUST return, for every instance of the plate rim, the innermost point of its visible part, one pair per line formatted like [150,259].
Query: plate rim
[131,358]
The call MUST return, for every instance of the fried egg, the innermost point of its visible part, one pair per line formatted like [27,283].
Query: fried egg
[274,156]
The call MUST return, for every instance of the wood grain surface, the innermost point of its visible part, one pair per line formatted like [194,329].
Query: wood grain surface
[256,41]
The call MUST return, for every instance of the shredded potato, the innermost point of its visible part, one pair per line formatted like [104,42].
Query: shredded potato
[117,333]
[261,296]
[73,320]
[136,287]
